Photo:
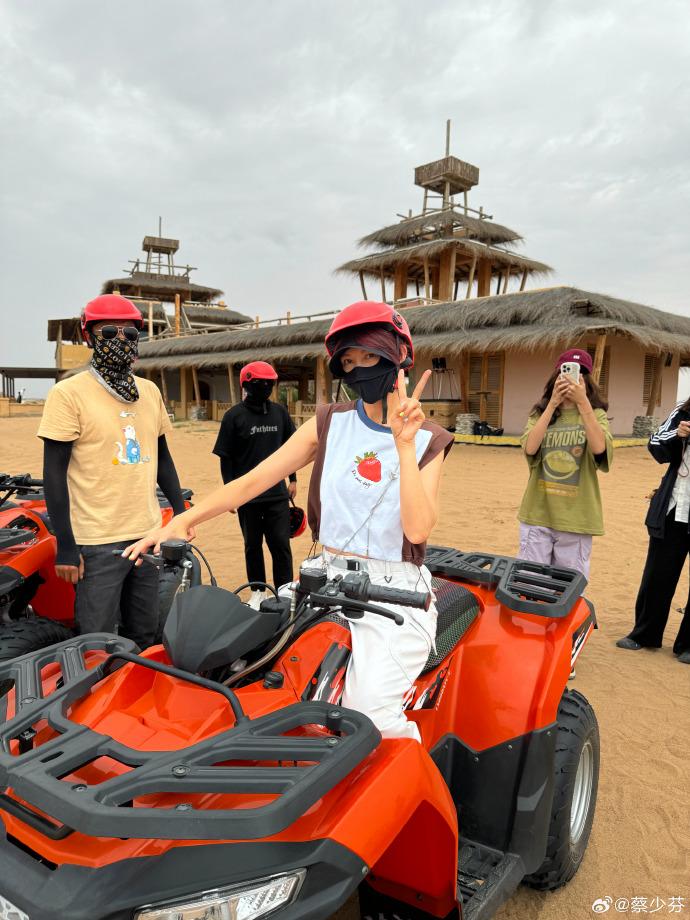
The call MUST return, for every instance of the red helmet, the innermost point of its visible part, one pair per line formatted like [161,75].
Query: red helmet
[109,307]
[366,313]
[298,521]
[257,370]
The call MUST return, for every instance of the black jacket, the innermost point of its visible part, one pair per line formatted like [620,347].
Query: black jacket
[666,447]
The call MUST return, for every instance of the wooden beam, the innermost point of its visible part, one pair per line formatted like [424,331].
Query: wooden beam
[288,318]
[598,358]
[524,280]
[303,386]
[177,314]
[362,285]
[470,280]
[446,272]
[232,385]
[164,386]
[322,395]
[655,389]
[506,280]
[400,282]
[427,284]
[183,390]
[150,319]
[195,381]
[383,286]
[484,278]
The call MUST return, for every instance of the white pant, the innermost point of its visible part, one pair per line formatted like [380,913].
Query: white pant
[386,658]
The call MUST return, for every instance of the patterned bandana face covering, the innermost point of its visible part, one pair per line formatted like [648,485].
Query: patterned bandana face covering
[112,364]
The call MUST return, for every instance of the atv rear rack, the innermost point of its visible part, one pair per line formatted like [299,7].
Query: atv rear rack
[525,587]
[247,760]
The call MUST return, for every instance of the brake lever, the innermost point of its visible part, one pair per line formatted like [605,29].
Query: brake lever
[358,607]
[147,557]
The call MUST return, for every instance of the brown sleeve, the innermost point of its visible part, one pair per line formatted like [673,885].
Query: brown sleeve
[441,440]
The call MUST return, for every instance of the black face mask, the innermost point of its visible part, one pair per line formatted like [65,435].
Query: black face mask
[258,392]
[373,383]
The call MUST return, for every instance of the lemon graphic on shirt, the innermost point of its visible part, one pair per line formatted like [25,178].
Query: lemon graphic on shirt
[560,464]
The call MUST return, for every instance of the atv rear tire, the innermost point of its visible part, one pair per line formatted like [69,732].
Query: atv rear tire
[574,794]
[28,635]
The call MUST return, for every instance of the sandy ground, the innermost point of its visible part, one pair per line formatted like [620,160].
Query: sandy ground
[640,845]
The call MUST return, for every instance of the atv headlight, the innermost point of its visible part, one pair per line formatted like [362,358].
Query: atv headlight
[241,902]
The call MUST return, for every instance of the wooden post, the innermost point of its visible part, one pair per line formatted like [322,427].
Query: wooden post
[655,389]
[524,280]
[195,381]
[484,278]
[303,386]
[232,386]
[383,286]
[507,279]
[427,284]
[446,274]
[435,275]
[598,358]
[256,322]
[470,280]
[164,386]
[322,396]
[400,282]
[463,382]
[177,315]
[288,318]
[361,283]
[183,390]
[150,319]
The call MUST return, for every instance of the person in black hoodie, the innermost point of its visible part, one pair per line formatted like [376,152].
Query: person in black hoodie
[669,540]
[250,432]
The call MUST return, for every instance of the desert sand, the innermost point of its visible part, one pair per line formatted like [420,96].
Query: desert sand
[640,844]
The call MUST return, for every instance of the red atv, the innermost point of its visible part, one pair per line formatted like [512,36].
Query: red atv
[37,607]
[217,776]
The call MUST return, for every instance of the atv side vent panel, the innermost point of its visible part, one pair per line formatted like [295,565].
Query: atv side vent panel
[525,587]
[262,757]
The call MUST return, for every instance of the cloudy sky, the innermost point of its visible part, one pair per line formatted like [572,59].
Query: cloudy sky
[271,134]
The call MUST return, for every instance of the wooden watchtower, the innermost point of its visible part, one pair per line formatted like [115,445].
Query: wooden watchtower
[449,251]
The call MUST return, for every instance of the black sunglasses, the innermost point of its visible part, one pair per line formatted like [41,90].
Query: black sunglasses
[131,333]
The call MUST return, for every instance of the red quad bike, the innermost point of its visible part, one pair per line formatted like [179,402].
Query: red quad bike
[37,607]
[217,776]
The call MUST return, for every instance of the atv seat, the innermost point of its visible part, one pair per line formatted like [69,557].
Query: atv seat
[457,609]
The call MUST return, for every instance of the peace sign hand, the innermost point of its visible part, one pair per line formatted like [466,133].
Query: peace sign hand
[405,413]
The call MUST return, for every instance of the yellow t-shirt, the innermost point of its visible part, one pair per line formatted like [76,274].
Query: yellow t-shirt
[114,464]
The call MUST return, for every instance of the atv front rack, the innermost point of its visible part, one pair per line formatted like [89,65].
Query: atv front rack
[261,757]
[525,587]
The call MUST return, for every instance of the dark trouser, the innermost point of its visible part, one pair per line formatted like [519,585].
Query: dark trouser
[665,561]
[272,521]
[116,596]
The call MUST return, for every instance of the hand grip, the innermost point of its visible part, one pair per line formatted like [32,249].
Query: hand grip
[421,600]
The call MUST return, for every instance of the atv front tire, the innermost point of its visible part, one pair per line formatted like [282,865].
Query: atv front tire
[574,795]
[28,635]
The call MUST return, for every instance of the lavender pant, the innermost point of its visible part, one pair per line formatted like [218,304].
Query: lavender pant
[555,547]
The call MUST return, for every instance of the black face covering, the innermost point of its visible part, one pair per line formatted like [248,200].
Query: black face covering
[258,392]
[112,362]
[373,383]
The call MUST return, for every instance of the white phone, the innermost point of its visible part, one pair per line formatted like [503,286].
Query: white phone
[571,369]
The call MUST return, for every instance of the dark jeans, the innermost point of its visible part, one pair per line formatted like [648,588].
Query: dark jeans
[116,596]
[272,521]
[665,560]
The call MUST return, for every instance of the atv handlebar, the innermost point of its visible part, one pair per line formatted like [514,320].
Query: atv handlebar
[21,481]
[358,586]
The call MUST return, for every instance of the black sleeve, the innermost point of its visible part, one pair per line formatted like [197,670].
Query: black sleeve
[223,445]
[226,469]
[665,445]
[288,431]
[167,477]
[56,457]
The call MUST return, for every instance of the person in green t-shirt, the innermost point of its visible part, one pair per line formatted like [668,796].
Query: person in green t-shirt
[566,442]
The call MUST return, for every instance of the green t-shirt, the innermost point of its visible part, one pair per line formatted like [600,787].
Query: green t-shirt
[563,491]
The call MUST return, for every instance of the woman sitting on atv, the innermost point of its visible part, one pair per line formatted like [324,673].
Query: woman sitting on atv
[373,497]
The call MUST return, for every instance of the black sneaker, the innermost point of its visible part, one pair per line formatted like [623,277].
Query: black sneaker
[684,657]
[627,642]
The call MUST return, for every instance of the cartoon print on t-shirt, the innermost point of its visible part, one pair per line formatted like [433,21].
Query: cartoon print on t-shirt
[369,466]
[130,451]
[562,453]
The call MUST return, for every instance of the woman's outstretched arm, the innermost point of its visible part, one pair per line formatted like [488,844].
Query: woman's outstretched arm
[297,452]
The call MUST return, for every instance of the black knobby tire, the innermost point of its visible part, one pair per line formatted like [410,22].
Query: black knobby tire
[574,795]
[28,635]
[168,583]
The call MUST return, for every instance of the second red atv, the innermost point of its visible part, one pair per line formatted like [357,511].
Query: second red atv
[217,777]
[37,607]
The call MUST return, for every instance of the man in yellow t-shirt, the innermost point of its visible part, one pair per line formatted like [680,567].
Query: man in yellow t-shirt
[105,450]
